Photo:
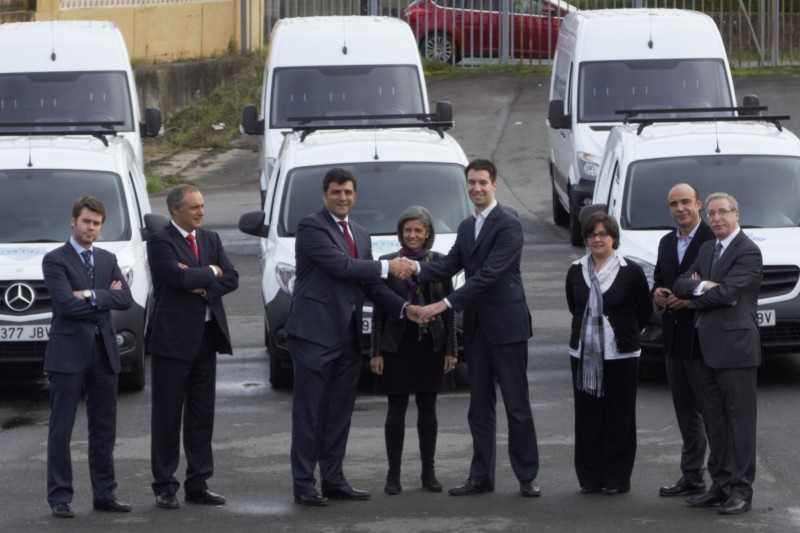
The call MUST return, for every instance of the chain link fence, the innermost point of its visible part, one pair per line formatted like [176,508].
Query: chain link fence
[470,32]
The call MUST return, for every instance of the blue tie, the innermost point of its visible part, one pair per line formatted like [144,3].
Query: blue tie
[87,261]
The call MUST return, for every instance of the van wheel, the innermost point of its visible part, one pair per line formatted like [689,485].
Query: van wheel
[574,223]
[560,215]
[439,46]
[279,377]
[134,379]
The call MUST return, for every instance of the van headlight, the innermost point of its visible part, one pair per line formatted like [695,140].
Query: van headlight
[588,165]
[649,268]
[286,277]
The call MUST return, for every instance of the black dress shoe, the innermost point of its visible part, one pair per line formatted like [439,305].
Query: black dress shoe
[470,486]
[683,487]
[167,500]
[313,499]
[611,491]
[591,490]
[734,506]
[530,489]
[62,510]
[205,497]
[112,506]
[709,499]
[346,492]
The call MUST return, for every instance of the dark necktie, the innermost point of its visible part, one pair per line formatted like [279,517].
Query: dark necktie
[87,262]
[717,253]
[193,244]
[349,238]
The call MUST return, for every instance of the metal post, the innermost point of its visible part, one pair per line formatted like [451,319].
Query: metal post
[505,33]
[244,41]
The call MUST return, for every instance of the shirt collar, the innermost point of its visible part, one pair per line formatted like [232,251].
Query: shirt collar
[727,240]
[691,233]
[184,233]
[337,219]
[78,248]
[485,212]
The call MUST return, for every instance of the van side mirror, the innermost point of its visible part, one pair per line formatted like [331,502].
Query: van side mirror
[152,223]
[252,223]
[555,114]
[444,111]
[250,123]
[590,209]
[151,127]
[750,100]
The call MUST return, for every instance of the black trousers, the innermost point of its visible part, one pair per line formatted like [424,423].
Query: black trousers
[184,389]
[605,427]
[100,383]
[685,377]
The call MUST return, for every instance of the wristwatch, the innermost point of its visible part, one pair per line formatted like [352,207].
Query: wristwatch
[87,295]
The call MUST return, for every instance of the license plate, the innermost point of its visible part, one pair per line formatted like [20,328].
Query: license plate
[24,333]
[766,318]
[366,326]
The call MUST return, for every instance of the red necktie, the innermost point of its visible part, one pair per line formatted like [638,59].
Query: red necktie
[347,236]
[193,244]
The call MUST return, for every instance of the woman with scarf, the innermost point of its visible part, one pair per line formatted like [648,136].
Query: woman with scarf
[609,299]
[409,358]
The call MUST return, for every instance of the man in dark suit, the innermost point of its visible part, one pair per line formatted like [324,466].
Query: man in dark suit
[334,270]
[85,284]
[723,284]
[191,274]
[676,253]
[497,326]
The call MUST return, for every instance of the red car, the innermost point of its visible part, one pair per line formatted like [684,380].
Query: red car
[449,30]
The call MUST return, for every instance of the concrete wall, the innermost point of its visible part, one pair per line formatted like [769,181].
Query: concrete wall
[167,30]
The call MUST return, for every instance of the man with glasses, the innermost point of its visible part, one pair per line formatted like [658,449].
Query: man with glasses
[723,285]
[676,253]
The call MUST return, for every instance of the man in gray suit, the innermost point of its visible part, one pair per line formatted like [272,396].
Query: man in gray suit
[85,284]
[723,284]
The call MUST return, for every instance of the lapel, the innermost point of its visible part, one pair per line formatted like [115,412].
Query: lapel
[700,236]
[488,226]
[336,233]
[186,254]
[76,261]
[727,255]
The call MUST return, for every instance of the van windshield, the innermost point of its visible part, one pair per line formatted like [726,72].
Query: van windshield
[766,187]
[608,86]
[36,205]
[303,92]
[384,190]
[75,99]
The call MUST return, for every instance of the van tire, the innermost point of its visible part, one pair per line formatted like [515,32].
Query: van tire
[574,223]
[134,379]
[439,46]
[279,376]
[560,215]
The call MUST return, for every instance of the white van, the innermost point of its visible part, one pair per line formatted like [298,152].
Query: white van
[40,177]
[395,168]
[752,158]
[334,66]
[622,59]
[70,73]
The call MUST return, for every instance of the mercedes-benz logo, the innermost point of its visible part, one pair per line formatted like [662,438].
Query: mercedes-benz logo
[20,297]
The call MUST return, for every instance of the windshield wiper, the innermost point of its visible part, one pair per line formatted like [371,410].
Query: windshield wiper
[32,241]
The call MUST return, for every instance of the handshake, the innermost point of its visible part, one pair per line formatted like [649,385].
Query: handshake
[424,314]
[402,267]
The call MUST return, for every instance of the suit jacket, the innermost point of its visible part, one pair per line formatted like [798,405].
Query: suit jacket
[330,284]
[493,294]
[75,321]
[677,327]
[727,326]
[387,331]
[178,320]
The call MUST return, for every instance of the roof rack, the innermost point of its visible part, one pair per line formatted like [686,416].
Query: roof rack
[438,122]
[98,130]
[747,114]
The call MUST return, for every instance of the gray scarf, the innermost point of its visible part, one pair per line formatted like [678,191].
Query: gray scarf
[590,367]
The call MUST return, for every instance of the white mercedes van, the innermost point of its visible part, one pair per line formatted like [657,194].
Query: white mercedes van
[333,67]
[753,158]
[41,175]
[622,59]
[71,74]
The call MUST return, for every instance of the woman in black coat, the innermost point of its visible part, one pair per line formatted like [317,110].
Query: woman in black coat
[408,358]
[609,299]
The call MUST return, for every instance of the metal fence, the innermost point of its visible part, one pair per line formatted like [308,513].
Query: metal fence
[470,32]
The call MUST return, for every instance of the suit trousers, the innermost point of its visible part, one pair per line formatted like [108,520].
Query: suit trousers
[184,388]
[100,384]
[685,377]
[489,365]
[730,407]
[325,388]
[605,427]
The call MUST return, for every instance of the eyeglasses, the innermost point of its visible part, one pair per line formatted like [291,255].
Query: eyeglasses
[598,235]
[719,212]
